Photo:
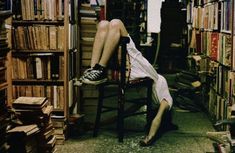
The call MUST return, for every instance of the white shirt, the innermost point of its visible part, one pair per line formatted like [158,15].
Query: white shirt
[141,68]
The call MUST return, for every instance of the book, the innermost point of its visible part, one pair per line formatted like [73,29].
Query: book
[214,45]
[32,102]
[26,130]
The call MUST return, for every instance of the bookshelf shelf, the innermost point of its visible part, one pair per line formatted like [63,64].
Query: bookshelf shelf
[3,68]
[44,22]
[37,53]
[3,86]
[31,51]
[37,82]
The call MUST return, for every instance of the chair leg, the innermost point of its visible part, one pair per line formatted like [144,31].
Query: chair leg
[149,104]
[120,123]
[99,110]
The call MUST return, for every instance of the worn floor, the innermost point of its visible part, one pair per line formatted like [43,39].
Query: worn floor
[189,138]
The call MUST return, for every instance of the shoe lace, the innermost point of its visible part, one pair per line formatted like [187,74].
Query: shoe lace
[94,74]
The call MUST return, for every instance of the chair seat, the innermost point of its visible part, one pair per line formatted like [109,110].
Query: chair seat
[137,81]
[140,81]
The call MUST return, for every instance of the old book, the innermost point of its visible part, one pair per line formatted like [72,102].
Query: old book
[58,121]
[60,139]
[214,45]
[60,131]
[38,63]
[32,102]
[55,66]
[25,129]
[53,37]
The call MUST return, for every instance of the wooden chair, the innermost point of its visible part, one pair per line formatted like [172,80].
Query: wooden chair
[123,84]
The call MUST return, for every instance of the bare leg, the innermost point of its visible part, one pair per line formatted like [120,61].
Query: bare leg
[100,37]
[116,30]
[157,120]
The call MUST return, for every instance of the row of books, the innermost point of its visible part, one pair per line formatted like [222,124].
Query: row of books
[211,16]
[54,94]
[38,37]
[143,22]
[217,46]
[3,36]
[39,67]
[5,5]
[218,106]
[3,76]
[221,82]
[38,10]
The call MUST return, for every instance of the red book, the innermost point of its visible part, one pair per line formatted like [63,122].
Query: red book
[214,45]
[198,43]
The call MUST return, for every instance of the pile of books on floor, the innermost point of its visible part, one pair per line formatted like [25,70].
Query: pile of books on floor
[187,90]
[4,120]
[23,139]
[225,140]
[60,128]
[36,110]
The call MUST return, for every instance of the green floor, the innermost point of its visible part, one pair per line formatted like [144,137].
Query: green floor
[189,138]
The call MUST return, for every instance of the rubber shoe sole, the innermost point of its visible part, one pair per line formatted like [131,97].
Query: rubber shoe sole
[86,81]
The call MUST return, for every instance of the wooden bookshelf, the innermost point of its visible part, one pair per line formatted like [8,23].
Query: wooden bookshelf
[41,40]
[211,27]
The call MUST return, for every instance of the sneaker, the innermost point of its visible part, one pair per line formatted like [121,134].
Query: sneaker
[77,82]
[85,73]
[96,76]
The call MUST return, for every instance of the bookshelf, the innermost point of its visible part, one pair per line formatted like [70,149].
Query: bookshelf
[211,48]
[5,79]
[43,48]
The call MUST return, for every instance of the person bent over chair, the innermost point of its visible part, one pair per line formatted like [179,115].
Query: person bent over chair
[105,43]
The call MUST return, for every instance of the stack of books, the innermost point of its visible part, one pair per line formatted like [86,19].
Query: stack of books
[4,120]
[23,139]
[89,20]
[36,110]
[60,128]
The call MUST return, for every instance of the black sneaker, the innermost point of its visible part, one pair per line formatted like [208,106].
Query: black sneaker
[85,73]
[96,76]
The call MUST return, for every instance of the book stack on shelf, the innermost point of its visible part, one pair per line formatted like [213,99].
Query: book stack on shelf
[212,41]
[89,20]
[36,110]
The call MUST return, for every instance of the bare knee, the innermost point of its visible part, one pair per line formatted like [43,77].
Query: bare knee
[103,25]
[117,25]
